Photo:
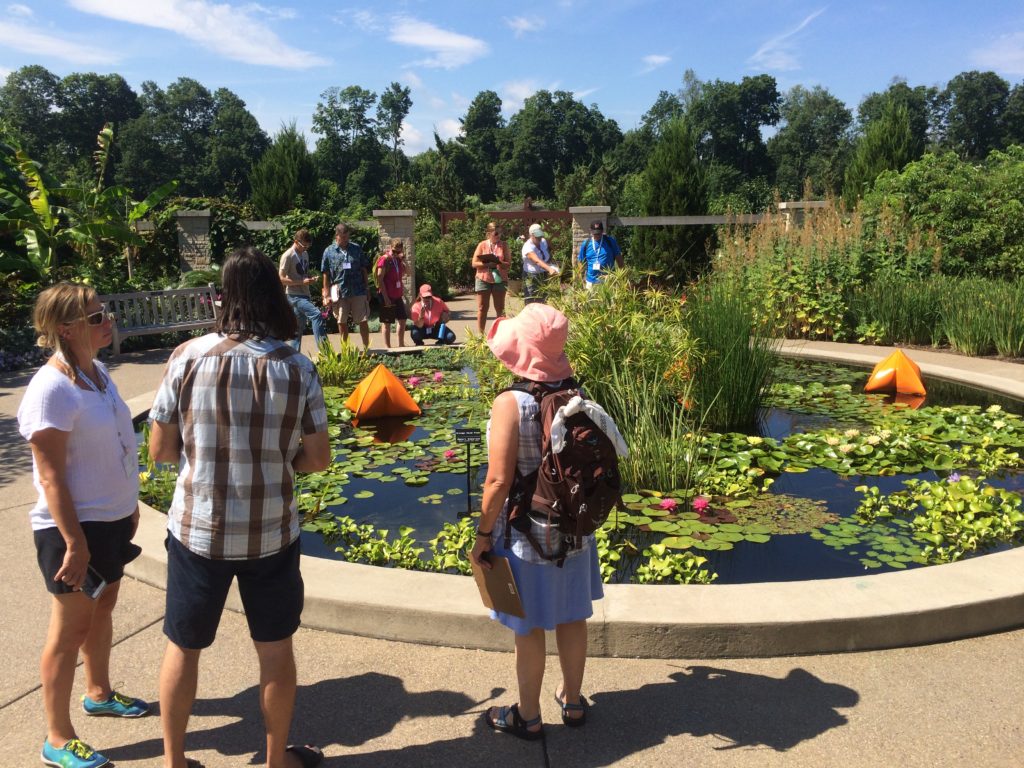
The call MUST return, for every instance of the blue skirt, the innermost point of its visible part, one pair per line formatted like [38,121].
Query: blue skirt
[553,595]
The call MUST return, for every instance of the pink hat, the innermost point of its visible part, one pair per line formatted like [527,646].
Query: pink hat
[425,290]
[532,344]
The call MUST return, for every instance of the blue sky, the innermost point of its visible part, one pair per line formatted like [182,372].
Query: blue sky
[617,54]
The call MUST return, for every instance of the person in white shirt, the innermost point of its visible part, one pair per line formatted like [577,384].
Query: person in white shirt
[536,263]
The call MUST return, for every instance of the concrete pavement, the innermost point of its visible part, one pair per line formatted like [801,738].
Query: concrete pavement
[375,702]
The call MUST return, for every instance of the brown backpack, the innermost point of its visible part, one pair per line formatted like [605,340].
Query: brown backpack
[572,492]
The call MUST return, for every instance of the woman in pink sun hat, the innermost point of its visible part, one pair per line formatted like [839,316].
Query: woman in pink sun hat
[532,346]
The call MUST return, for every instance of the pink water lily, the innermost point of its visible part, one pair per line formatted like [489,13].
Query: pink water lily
[668,504]
[449,454]
[438,377]
[699,504]
[414,380]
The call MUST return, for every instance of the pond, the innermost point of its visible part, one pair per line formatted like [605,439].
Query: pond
[815,493]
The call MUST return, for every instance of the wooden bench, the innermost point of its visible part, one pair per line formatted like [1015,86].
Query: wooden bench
[176,309]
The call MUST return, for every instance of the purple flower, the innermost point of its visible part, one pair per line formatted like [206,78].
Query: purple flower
[954,477]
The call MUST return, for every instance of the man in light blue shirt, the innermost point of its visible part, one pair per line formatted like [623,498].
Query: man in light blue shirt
[598,252]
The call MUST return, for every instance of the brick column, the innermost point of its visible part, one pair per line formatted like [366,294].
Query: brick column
[400,224]
[582,216]
[193,239]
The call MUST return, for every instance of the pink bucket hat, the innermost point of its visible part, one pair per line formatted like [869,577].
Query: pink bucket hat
[532,344]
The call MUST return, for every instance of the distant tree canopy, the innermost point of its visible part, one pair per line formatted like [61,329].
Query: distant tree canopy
[751,142]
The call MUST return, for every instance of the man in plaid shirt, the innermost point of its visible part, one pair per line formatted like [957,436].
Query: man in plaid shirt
[241,412]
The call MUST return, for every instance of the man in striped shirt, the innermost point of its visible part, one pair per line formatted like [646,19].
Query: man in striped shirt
[241,412]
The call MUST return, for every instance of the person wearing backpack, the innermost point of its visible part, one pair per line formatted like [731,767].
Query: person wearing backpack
[557,585]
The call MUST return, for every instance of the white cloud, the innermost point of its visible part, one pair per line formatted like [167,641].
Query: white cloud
[410,78]
[365,20]
[415,141]
[515,92]
[520,25]
[233,32]
[22,38]
[275,13]
[1005,54]
[17,9]
[448,128]
[653,61]
[448,50]
[581,95]
[779,53]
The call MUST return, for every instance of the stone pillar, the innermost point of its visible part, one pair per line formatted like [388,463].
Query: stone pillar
[193,239]
[582,217]
[400,224]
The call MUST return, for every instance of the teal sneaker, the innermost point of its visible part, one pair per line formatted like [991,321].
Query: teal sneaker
[75,754]
[118,705]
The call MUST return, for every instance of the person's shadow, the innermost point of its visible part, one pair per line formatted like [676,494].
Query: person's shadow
[346,711]
[740,709]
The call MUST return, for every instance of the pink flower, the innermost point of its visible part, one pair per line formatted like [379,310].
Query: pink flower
[668,504]
[413,381]
[449,454]
[700,504]
[438,377]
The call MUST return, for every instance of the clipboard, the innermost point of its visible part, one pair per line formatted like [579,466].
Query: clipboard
[497,586]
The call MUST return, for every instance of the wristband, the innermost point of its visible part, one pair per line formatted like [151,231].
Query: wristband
[485,534]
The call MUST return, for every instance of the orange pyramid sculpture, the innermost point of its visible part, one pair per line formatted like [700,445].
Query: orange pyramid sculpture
[381,394]
[896,374]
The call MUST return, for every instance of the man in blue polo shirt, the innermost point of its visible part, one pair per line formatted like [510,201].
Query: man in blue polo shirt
[598,252]
[345,269]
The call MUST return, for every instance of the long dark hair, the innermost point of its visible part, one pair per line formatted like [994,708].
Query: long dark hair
[254,304]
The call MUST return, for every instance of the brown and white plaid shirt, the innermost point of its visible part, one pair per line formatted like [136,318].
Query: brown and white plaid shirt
[241,407]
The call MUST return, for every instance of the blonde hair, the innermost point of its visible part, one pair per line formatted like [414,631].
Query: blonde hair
[59,305]
[395,241]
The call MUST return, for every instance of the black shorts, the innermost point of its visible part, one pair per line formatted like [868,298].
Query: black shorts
[110,548]
[197,587]
[396,311]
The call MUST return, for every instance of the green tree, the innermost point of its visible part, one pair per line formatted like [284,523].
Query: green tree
[482,135]
[977,101]
[1013,117]
[812,144]
[87,102]
[926,108]
[729,118]
[348,143]
[675,184]
[392,109]
[888,144]
[549,137]
[285,175]
[236,143]
[28,104]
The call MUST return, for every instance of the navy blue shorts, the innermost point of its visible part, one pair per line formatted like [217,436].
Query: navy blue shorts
[197,587]
[110,548]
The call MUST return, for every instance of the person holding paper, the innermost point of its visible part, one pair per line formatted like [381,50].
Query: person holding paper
[559,597]
[346,271]
[85,467]
[491,260]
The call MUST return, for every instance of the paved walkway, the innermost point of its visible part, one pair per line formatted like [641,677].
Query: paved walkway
[373,702]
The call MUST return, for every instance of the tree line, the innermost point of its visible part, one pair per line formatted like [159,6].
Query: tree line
[553,149]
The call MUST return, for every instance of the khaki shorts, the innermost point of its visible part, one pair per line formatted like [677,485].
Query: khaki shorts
[355,308]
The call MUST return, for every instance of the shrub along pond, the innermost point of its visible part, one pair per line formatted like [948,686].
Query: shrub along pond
[835,483]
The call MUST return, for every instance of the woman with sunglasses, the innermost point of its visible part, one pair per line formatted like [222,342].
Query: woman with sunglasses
[85,470]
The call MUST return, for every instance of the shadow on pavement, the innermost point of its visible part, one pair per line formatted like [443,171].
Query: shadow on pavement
[346,712]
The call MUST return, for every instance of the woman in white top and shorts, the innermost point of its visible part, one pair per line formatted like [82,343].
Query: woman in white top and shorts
[85,469]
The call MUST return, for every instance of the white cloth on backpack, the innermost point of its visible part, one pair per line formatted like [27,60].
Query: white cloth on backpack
[596,413]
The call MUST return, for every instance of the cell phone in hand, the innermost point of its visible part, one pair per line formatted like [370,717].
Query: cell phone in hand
[94,583]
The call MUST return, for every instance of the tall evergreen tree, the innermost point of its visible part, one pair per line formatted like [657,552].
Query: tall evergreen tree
[888,144]
[675,184]
[285,176]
